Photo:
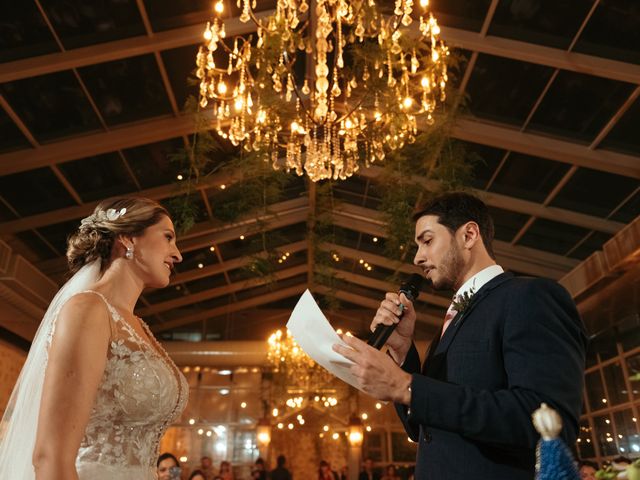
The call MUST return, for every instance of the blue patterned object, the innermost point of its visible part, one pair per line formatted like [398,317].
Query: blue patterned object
[554,461]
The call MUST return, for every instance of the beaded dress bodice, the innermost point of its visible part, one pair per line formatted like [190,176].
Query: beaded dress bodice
[141,393]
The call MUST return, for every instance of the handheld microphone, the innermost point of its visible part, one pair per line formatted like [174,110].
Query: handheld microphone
[411,290]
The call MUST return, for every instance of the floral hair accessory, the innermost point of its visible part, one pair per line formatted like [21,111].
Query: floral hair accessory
[111,215]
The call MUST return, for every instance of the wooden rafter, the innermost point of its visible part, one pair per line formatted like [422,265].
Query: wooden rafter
[527,207]
[373,304]
[218,291]
[513,257]
[233,307]
[158,129]
[192,35]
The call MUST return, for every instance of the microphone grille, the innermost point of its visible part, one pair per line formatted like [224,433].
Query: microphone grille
[411,287]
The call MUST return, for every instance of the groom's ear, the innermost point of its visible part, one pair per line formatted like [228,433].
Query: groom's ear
[470,235]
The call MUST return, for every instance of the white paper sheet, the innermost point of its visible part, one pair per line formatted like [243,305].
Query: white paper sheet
[315,335]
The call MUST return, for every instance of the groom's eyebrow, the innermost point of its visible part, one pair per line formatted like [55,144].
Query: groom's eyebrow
[423,233]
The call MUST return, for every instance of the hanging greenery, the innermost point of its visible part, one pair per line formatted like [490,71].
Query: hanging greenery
[431,164]
[324,232]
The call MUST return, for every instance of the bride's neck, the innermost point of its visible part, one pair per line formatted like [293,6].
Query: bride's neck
[120,285]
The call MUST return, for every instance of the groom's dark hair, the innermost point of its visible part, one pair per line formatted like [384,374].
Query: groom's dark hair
[454,209]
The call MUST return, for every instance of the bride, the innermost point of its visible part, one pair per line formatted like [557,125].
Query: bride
[98,391]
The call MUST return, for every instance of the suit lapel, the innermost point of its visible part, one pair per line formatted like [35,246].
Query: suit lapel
[460,318]
[433,346]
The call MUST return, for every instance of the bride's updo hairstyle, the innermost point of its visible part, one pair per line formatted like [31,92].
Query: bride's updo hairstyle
[98,232]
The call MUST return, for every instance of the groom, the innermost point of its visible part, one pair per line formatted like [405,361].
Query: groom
[507,344]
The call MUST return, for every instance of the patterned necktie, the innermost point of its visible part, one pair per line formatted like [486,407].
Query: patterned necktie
[451,313]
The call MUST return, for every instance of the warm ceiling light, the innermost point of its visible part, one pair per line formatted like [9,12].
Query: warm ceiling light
[361,60]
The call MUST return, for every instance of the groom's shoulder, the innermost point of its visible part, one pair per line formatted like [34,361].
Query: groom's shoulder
[528,285]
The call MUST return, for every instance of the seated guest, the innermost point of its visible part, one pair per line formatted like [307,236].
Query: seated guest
[206,467]
[225,471]
[367,473]
[587,470]
[325,472]
[390,473]
[168,467]
[197,475]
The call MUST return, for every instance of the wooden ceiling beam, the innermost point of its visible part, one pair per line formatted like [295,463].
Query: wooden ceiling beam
[92,144]
[541,55]
[270,297]
[384,262]
[218,291]
[513,257]
[519,205]
[118,50]
[509,138]
[158,129]
[192,35]
[373,304]
[78,211]
[232,264]
[376,284]
[204,234]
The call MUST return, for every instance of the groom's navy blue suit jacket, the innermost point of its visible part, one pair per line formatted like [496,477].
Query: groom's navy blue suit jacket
[519,343]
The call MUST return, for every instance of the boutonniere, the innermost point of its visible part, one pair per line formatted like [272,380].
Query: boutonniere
[462,301]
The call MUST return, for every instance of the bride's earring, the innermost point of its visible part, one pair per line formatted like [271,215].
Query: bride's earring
[129,253]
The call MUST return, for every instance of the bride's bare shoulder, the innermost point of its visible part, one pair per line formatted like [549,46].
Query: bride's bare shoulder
[86,310]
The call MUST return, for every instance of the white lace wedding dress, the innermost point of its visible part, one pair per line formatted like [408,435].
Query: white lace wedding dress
[142,392]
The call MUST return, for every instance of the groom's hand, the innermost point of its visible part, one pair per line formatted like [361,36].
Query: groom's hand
[377,374]
[397,309]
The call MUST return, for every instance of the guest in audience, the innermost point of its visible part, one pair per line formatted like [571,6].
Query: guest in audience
[367,473]
[344,473]
[168,467]
[197,475]
[390,473]
[587,470]
[206,467]
[281,472]
[325,472]
[225,471]
[259,471]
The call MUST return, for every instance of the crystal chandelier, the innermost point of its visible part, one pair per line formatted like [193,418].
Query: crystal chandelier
[325,86]
[299,373]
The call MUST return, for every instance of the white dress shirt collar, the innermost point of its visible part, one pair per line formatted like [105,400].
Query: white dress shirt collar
[476,282]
